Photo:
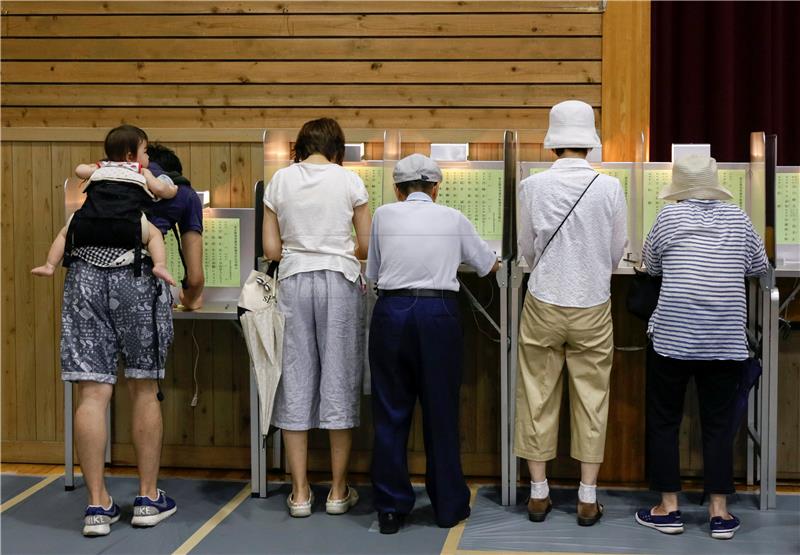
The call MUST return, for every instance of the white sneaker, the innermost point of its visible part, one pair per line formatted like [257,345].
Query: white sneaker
[341,506]
[300,510]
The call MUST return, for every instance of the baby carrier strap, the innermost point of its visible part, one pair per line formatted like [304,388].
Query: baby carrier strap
[110,217]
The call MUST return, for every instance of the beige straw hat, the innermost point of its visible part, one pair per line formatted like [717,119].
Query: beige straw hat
[695,177]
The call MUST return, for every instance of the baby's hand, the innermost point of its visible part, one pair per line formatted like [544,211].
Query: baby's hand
[147,173]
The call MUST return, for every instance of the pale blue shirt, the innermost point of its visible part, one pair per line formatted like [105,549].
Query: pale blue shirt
[418,244]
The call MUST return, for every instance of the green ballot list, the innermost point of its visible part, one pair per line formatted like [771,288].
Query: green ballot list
[373,181]
[787,208]
[478,194]
[221,255]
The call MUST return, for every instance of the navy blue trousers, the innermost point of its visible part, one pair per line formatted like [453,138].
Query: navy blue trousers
[416,350]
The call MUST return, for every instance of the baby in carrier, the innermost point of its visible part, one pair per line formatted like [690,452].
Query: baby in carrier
[118,193]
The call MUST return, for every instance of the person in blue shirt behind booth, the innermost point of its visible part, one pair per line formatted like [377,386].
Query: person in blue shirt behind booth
[416,342]
[186,211]
[704,248]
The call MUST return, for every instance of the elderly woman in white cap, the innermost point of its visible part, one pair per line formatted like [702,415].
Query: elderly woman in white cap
[703,248]
[572,235]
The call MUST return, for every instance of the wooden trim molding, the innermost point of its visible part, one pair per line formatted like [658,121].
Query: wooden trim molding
[625,80]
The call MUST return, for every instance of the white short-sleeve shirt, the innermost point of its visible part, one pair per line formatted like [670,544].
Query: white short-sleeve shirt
[314,204]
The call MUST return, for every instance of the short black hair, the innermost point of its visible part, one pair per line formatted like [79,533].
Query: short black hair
[560,151]
[122,141]
[323,136]
[418,186]
[165,157]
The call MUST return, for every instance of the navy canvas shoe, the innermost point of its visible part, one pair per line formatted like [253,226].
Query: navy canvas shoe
[97,521]
[149,512]
[667,524]
[722,529]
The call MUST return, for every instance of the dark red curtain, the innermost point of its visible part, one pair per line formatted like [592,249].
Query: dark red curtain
[721,70]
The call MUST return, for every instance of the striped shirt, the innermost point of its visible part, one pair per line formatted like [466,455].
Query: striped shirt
[704,249]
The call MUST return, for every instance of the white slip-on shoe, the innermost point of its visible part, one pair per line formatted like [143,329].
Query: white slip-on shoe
[302,509]
[341,506]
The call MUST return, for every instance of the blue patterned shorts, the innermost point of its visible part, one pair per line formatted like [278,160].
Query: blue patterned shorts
[107,312]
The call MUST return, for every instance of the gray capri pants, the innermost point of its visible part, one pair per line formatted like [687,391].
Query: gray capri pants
[107,312]
[323,352]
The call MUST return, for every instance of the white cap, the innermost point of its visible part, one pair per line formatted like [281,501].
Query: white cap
[417,168]
[571,126]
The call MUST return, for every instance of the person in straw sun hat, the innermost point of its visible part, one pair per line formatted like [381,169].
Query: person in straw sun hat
[704,248]
[572,235]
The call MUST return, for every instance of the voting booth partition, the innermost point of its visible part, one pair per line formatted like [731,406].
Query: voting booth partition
[228,254]
[479,180]
[642,181]
[481,174]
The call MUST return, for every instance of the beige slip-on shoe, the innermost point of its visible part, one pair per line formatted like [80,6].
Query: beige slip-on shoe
[341,506]
[302,509]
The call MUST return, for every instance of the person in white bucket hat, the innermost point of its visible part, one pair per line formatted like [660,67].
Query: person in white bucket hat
[704,248]
[572,234]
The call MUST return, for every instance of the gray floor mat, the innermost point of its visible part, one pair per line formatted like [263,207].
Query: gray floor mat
[12,485]
[50,521]
[495,528]
[264,526]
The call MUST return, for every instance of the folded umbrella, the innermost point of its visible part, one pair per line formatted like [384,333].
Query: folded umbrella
[262,327]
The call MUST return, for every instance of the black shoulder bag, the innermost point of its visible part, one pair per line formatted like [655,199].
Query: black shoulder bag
[643,294]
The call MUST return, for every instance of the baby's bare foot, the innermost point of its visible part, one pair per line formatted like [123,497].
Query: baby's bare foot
[45,270]
[160,271]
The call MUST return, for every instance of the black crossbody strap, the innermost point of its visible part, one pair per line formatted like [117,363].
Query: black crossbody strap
[562,222]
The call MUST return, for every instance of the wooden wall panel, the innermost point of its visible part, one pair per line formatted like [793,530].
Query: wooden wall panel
[283,95]
[312,25]
[26,7]
[304,48]
[459,64]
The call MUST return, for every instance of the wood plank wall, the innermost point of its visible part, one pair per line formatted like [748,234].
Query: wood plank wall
[256,64]
[217,69]
[206,77]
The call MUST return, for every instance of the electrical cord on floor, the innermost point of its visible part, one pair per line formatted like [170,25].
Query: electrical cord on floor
[194,369]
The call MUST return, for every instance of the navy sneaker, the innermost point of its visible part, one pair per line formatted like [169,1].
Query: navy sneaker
[97,521]
[722,529]
[147,512]
[667,524]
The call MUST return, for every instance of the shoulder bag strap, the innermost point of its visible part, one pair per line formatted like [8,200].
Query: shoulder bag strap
[562,222]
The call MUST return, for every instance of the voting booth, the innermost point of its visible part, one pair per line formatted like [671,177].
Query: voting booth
[228,253]
[642,182]
[479,181]
[787,221]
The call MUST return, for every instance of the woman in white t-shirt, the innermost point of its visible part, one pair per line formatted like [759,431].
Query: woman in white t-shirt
[311,208]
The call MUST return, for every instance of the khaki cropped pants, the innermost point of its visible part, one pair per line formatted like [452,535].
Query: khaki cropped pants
[549,336]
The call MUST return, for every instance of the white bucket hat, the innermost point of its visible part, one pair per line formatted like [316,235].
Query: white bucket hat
[571,126]
[695,177]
